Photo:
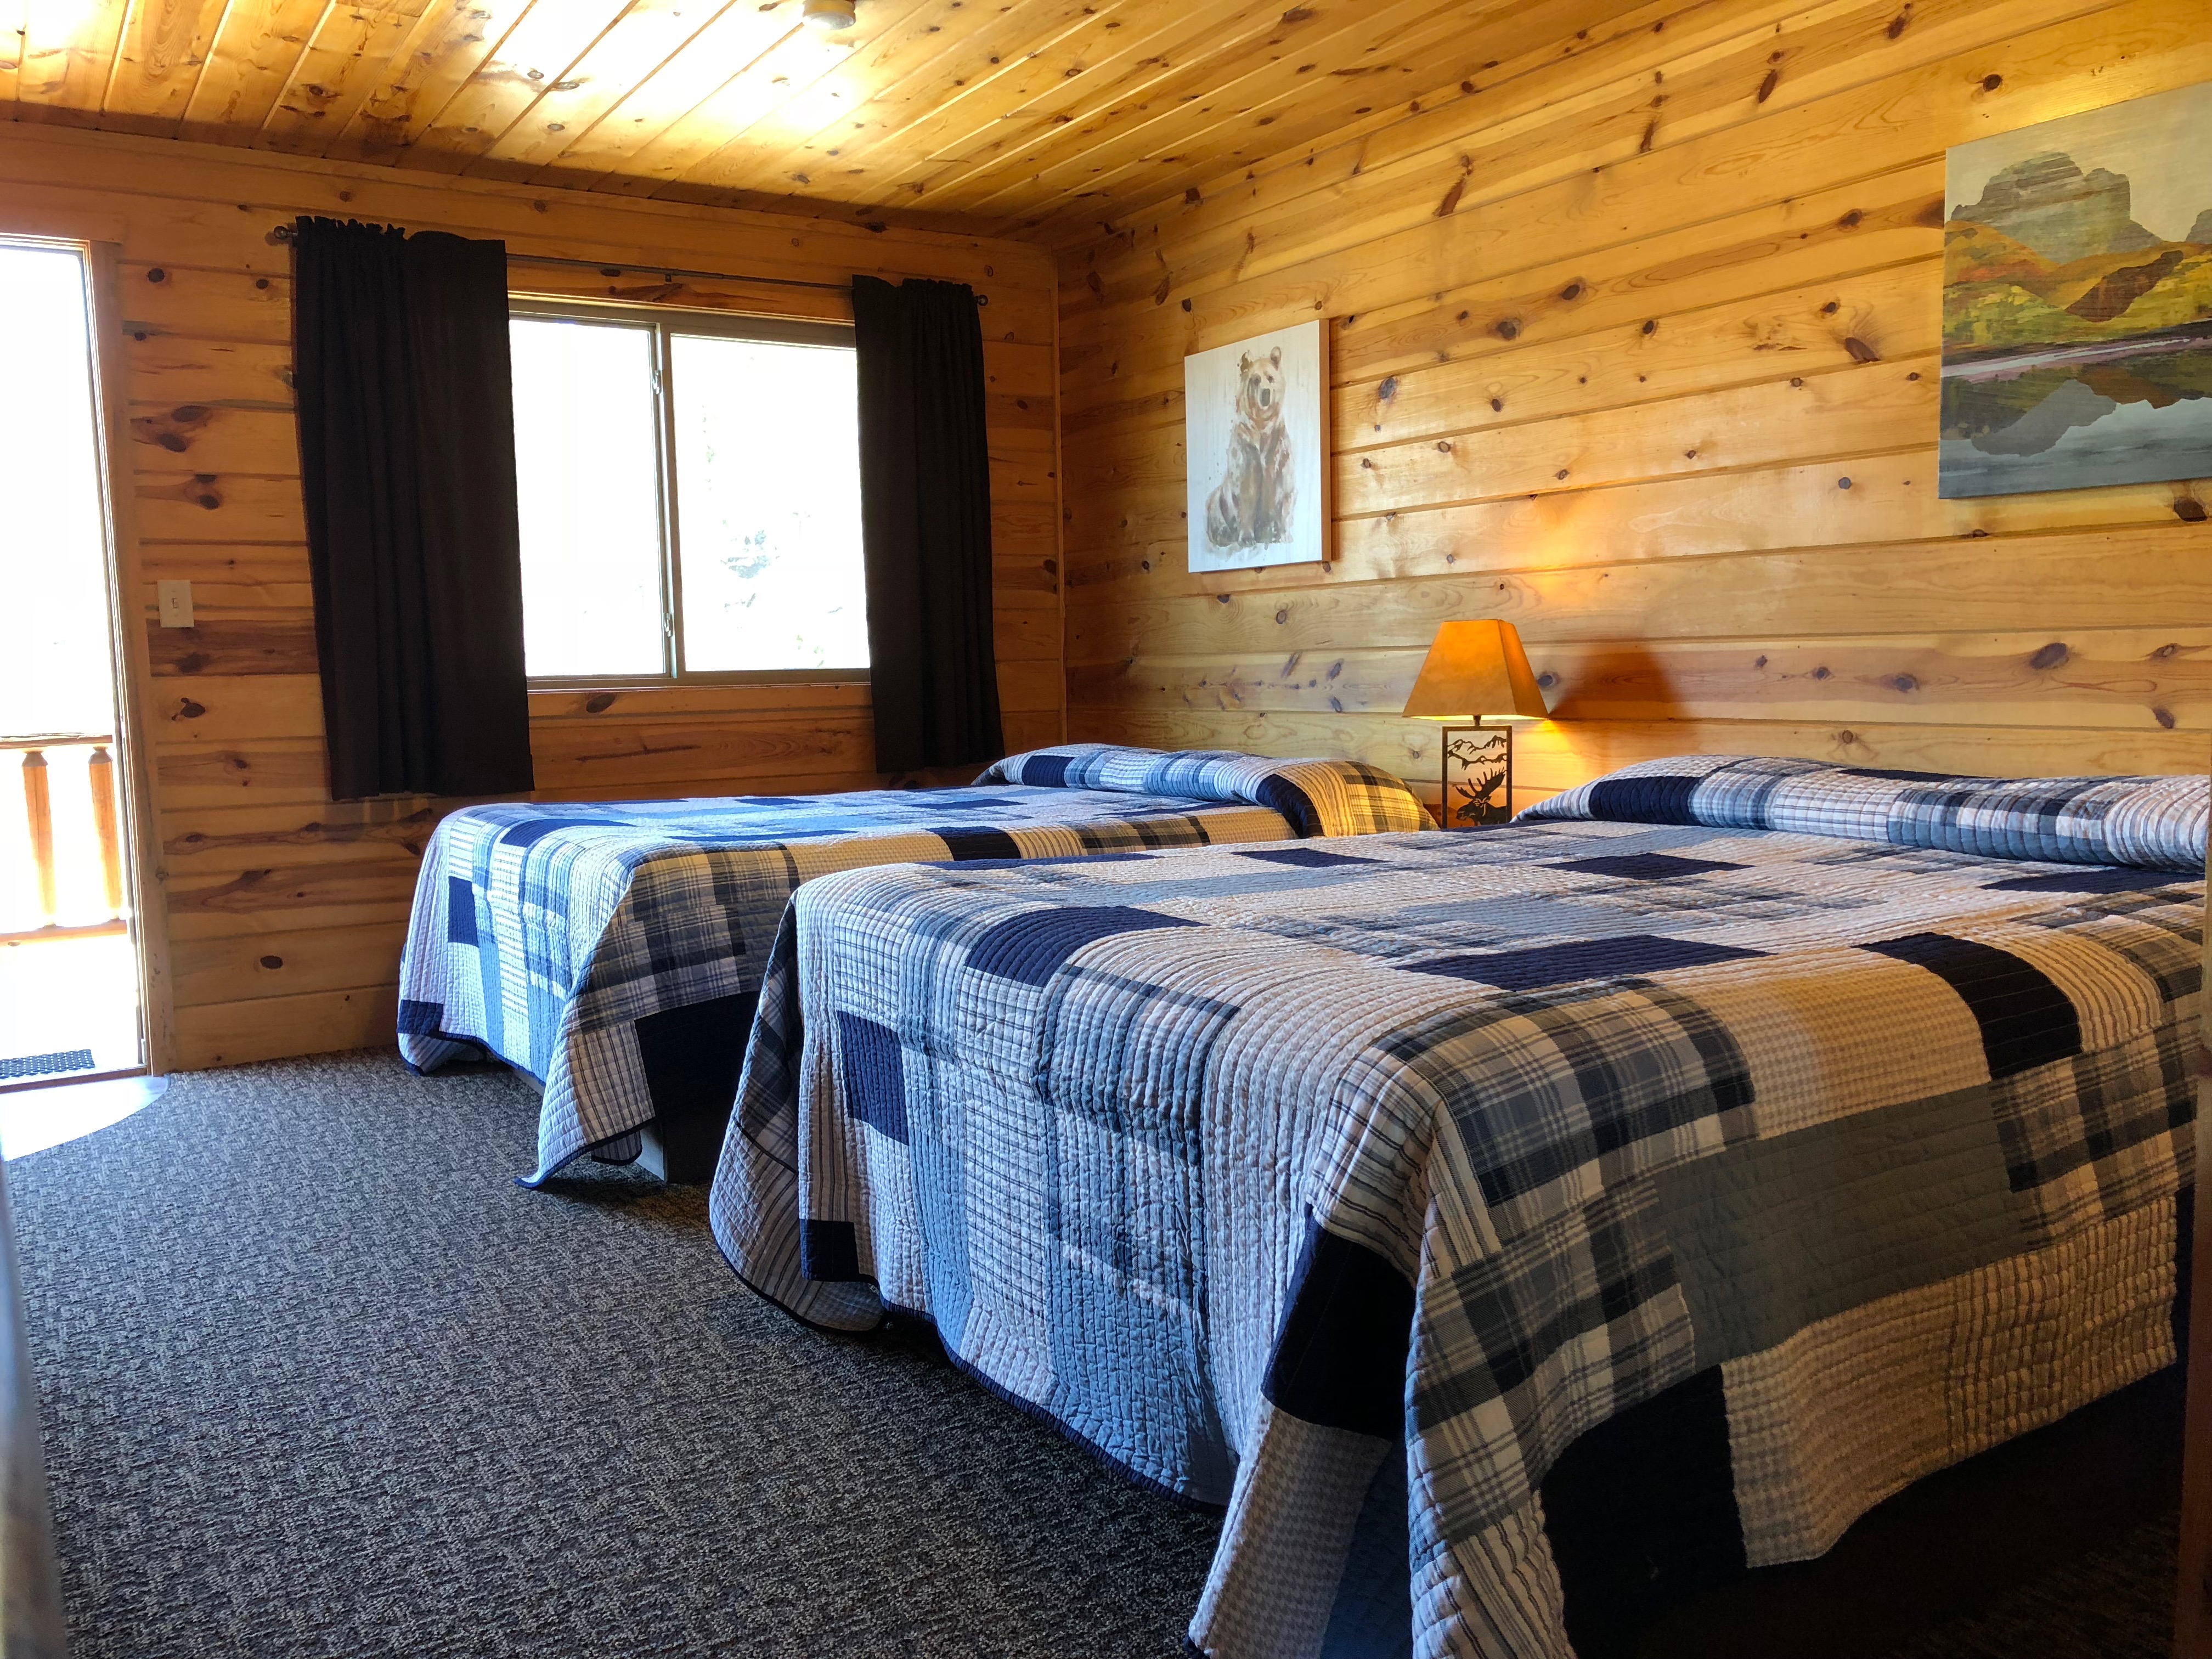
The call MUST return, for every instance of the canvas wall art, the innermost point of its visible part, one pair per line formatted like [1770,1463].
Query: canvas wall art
[2077,301]
[1255,427]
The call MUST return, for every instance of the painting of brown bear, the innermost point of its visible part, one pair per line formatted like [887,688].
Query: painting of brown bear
[1257,479]
[1251,505]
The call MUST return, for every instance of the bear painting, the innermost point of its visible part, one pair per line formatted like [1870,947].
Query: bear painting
[1251,507]
[1258,461]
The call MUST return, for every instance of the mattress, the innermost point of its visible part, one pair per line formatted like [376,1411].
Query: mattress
[614,952]
[1506,1226]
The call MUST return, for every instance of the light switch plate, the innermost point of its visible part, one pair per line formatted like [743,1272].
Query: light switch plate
[176,603]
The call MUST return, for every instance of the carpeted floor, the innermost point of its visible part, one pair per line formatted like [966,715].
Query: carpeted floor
[318,1380]
[2115,1603]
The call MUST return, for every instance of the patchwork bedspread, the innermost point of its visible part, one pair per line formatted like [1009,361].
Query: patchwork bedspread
[614,952]
[1514,1229]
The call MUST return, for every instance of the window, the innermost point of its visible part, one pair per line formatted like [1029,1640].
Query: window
[691,496]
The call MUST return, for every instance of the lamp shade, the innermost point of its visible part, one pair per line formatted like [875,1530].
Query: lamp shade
[1476,671]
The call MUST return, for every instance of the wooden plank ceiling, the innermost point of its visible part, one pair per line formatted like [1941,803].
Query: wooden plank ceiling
[1007,116]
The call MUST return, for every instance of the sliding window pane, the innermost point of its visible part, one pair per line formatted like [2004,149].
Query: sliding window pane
[768,465]
[587,464]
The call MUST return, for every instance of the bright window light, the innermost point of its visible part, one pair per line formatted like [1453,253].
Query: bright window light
[587,466]
[690,497]
[54,671]
[769,509]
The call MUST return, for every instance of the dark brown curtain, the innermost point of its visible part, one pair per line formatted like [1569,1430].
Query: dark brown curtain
[926,524]
[407,451]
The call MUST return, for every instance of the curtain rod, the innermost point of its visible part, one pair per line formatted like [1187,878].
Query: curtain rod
[283,233]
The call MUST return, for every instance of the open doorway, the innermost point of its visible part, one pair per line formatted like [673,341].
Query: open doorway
[70,978]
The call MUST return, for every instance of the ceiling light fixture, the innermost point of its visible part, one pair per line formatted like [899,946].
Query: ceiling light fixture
[827,16]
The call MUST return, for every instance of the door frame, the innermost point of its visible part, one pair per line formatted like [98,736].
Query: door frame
[137,810]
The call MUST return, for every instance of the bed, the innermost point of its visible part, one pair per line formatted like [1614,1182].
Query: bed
[1512,1229]
[613,951]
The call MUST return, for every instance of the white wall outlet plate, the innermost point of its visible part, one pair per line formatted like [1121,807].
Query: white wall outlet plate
[176,603]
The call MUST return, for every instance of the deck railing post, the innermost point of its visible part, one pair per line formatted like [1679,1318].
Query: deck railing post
[38,808]
[99,773]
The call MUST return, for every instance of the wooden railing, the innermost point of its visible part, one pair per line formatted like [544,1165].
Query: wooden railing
[39,810]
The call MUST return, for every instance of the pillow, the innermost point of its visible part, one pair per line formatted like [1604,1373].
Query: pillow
[2158,824]
[1319,797]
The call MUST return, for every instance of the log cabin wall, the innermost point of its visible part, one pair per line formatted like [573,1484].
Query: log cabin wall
[1634,341]
[285,911]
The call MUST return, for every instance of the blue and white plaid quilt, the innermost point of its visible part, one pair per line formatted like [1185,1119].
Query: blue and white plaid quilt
[1514,1229]
[614,952]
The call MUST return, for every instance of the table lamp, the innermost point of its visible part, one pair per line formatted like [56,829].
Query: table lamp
[1476,671]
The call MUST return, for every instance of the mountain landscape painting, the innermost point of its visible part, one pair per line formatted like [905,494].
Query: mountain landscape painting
[2077,301]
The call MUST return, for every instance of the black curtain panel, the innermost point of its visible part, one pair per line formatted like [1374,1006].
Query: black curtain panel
[925,522]
[407,451]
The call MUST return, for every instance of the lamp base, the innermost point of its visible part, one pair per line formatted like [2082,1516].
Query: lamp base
[1478,775]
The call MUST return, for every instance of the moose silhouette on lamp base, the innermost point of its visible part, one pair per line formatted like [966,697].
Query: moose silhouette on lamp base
[1478,775]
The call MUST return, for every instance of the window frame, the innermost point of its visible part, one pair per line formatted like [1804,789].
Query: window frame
[664,323]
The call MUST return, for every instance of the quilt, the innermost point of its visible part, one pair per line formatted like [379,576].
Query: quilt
[1512,1229]
[614,952]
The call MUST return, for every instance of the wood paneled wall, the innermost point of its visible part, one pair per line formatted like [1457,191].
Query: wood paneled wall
[1634,344]
[285,912]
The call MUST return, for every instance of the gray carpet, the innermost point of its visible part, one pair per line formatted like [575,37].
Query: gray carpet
[2114,1603]
[318,1380]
